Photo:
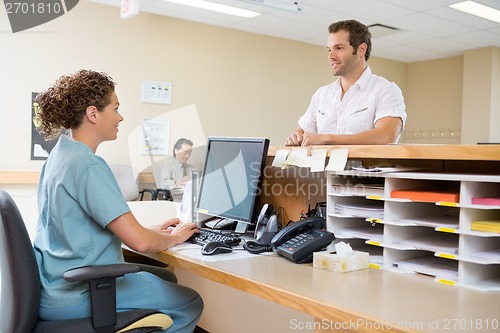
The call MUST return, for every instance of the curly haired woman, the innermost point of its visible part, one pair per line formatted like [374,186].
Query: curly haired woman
[83,216]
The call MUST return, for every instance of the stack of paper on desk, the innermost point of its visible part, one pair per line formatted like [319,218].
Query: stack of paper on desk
[441,242]
[446,221]
[430,265]
[374,233]
[359,189]
[368,209]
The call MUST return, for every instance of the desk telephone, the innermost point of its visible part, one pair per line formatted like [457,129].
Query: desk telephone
[298,241]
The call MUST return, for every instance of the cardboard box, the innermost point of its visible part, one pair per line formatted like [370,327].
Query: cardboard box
[330,261]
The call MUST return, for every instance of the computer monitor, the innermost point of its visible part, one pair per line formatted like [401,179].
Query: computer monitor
[231,179]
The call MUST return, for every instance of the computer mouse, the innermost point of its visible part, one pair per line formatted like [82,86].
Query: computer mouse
[216,248]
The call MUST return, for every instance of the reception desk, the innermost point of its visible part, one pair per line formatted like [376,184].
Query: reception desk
[306,188]
[415,152]
[471,158]
[371,300]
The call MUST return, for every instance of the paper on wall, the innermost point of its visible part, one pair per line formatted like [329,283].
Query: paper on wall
[296,156]
[318,157]
[280,157]
[299,157]
[338,160]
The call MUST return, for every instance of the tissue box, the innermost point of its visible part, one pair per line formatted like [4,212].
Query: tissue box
[333,262]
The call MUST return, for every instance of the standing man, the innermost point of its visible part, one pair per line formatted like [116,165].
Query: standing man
[359,107]
[176,172]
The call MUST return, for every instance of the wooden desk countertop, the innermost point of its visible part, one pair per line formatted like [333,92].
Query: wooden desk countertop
[402,151]
[414,151]
[369,300]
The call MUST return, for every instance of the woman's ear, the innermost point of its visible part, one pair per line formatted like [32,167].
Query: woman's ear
[91,114]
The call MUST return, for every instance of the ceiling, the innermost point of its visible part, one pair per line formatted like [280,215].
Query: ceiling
[428,29]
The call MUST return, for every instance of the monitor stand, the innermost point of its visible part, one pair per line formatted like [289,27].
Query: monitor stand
[241,228]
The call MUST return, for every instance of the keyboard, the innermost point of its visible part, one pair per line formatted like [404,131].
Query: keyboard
[206,235]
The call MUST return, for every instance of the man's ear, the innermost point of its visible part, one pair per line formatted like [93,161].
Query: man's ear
[362,49]
[91,114]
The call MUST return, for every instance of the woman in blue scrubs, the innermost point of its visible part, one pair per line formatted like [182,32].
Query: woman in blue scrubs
[83,216]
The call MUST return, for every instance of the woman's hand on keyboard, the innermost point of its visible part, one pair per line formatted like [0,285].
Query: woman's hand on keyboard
[167,225]
[184,230]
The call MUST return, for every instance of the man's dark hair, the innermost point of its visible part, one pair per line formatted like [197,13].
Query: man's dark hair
[358,33]
[180,142]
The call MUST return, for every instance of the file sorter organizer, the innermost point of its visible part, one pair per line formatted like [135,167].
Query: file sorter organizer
[410,230]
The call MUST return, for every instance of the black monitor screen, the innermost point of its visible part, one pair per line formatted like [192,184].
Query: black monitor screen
[231,178]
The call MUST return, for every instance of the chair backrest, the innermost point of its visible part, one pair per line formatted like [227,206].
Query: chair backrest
[20,282]
[156,171]
[128,180]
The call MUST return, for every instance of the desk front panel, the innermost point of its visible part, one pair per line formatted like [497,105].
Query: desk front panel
[371,300]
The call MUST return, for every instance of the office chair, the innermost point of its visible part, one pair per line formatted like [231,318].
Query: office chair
[20,288]
[162,193]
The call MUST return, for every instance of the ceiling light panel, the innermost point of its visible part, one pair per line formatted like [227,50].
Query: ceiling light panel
[477,9]
[216,7]
[291,6]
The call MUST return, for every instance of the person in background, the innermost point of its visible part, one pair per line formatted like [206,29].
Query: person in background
[359,107]
[83,216]
[176,172]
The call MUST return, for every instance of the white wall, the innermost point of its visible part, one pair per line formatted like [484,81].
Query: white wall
[25,198]
[242,84]
[481,101]
[495,98]
[434,101]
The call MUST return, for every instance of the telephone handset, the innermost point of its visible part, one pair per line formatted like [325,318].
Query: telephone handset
[298,241]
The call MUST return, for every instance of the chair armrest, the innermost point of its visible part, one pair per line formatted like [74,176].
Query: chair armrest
[97,272]
[102,287]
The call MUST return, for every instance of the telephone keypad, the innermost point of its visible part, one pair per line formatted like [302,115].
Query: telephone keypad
[309,241]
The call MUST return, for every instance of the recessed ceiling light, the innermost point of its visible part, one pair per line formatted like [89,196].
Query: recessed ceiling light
[477,9]
[216,7]
[381,30]
[291,6]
